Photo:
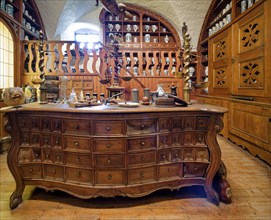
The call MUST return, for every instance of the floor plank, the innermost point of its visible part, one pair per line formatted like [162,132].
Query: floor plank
[250,180]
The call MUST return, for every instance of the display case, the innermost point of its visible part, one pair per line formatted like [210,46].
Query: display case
[24,17]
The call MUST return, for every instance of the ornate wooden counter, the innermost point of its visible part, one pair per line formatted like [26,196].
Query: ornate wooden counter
[109,150]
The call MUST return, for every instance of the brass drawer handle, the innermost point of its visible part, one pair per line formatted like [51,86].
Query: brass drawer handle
[47,156]
[30,170]
[109,177]
[46,141]
[142,143]
[108,145]
[108,128]
[78,159]
[37,156]
[57,142]
[76,144]
[58,157]
[163,156]
[142,126]
[54,171]
[109,161]
[176,155]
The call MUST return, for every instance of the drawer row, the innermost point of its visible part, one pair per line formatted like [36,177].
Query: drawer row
[113,176]
[113,144]
[96,160]
[113,127]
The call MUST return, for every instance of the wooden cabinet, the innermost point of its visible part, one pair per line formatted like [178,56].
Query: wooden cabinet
[104,152]
[24,18]
[239,73]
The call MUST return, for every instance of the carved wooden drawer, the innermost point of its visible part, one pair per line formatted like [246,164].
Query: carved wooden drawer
[24,141]
[177,124]
[80,176]
[116,161]
[142,158]
[57,141]
[164,124]
[176,139]
[188,154]
[164,140]
[31,171]
[35,139]
[107,128]
[56,124]
[147,126]
[163,156]
[81,127]
[109,177]
[194,169]
[53,172]
[79,160]
[109,145]
[202,154]
[57,156]
[23,123]
[46,140]
[77,143]
[24,155]
[176,154]
[46,124]
[146,143]
[202,123]
[35,124]
[141,175]
[200,139]
[36,155]
[188,138]
[170,171]
[189,123]
[47,155]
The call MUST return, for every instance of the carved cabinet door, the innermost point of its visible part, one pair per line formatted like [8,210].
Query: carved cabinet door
[251,56]
[220,63]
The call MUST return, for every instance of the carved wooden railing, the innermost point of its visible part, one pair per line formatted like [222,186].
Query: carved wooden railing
[67,58]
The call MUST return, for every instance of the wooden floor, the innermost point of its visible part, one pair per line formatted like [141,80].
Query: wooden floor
[248,176]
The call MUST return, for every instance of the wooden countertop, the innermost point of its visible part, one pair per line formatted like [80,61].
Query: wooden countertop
[112,108]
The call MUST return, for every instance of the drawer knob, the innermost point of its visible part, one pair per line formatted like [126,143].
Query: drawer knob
[58,157]
[46,141]
[164,141]
[108,128]
[163,156]
[47,156]
[142,158]
[78,159]
[78,174]
[142,175]
[108,145]
[109,161]
[142,126]
[30,170]
[109,177]
[76,126]
[57,142]
[176,155]
[76,144]
[54,171]
[142,143]
[37,156]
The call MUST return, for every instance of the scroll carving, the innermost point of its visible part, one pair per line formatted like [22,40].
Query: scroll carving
[221,80]
[221,47]
[251,75]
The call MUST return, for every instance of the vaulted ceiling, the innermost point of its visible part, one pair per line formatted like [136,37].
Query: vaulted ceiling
[57,15]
